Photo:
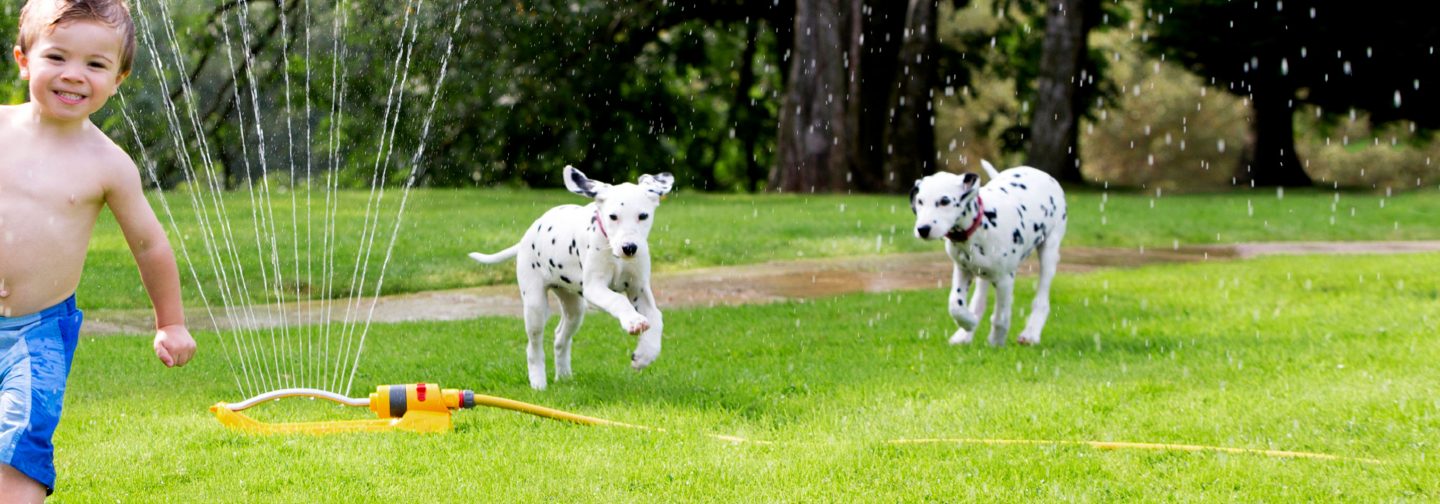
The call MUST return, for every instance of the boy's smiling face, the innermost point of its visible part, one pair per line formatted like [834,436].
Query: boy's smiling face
[73,69]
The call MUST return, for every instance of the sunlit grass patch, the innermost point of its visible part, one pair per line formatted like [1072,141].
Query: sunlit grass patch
[1320,354]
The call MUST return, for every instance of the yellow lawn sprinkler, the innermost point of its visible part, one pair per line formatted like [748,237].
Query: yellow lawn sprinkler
[417,407]
[425,407]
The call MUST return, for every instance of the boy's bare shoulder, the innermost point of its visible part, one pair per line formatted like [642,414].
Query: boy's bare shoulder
[108,156]
[8,115]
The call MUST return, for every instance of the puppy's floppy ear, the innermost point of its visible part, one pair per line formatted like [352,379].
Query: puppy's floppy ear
[914,191]
[578,183]
[659,185]
[969,180]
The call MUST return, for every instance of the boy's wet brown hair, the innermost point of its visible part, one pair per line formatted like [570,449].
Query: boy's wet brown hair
[35,21]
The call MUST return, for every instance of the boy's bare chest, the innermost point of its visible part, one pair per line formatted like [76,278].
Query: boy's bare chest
[52,183]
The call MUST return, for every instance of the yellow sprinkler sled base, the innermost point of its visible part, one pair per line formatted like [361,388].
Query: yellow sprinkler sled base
[417,407]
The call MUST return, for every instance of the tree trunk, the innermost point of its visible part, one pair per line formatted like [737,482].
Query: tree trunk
[743,111]
[910,139]
[1270,160]
[883,31]
[1054,129]
[814,136]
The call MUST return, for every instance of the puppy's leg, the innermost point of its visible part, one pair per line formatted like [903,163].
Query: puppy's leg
[1000,320]
[977,299]
[967,320]
[537,310]
[647,349]
[1040,308]
[616,305]
[572,314]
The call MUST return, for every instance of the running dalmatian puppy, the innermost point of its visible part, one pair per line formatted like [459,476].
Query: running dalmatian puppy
[988,231]
[596,253]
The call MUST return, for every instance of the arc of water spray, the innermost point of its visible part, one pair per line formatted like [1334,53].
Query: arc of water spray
[389,125]
[409,183]
[197,203]
[262,365]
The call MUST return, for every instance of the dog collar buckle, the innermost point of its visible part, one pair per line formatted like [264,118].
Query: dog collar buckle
[957,235]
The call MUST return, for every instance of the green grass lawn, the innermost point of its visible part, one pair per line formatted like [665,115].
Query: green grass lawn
[1322,354]
[692,230]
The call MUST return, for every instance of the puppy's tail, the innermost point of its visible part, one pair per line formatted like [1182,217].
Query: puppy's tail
[498,256]
[989,169]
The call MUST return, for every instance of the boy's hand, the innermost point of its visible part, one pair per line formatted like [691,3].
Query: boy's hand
[173,345]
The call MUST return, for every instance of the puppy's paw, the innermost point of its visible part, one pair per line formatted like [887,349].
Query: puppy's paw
[635,324]
[996,339]
[962,337]
[640,360]
[1026,338]
[537,378]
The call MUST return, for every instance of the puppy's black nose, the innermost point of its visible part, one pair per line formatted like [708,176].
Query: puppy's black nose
[629,249]
[923,231]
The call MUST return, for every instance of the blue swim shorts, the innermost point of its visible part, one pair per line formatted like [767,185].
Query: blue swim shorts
[35,353]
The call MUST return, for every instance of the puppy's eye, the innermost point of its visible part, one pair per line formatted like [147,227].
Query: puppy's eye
[614,217]
[644,216]
[920,202]
[944,201]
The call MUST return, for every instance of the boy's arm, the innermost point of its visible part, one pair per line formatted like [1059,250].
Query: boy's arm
[146,238]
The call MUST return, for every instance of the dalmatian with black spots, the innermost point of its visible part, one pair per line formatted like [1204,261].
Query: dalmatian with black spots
[988,231]
[597,254]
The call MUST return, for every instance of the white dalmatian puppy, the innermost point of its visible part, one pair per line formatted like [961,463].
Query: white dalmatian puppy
[596,253]
[988,231]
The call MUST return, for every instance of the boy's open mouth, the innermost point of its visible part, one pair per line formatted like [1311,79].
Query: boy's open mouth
[70,98]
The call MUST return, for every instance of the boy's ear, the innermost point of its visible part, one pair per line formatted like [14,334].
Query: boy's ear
[21,60]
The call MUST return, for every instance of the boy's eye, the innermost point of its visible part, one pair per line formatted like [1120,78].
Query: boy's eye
[98,65]
[614,217]
[644,216]
[54,57]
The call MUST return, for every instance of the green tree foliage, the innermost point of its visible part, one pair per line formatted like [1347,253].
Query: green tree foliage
[1012,51]
[12,89]
[1338,55]
[301,88]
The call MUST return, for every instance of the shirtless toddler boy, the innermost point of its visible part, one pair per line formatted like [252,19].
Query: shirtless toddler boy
[57,169]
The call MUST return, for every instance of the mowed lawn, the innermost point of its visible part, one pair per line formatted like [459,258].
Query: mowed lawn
[438,227]
[1323,354]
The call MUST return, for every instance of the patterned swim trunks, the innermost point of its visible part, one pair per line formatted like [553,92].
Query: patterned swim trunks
[35,353]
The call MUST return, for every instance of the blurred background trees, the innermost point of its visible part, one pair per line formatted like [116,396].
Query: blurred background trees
[1338,56]
[785,95]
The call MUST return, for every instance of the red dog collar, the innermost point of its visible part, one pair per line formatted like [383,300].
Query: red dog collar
[600,222]
[974,225]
